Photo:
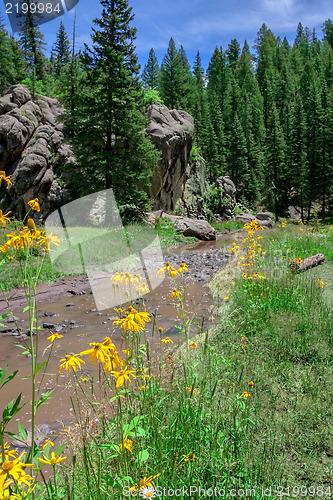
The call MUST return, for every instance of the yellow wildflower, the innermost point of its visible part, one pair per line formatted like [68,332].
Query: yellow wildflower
[176,294]
[251,384]
[69,362]
[8,452]
[190,457]
[55,459]
[160,271]
[140,317]
[193,345]
[34,204]
[127,324]
[3,177]
[183,267]
[113,361]
[3,218]
[46,443]
[128,444]
[134,320]
[99,351]
[167,340]
[123,375]
[245,395]
[12,469]
[189,390]
[54,336]
[47,240]
[146,481]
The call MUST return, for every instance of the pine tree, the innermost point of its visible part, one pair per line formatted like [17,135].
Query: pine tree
[61,49]
[6,64]
[216,74]
[328,31]
[150,74]
[276,175]
[298,156]
[217,154]
[237,158]
[198,70]
[32,43]
[172,78]
[326,147]
[108,124]
[252,99]
[258,41]
[232,102]
[184,60]
[233,52]
[19,64]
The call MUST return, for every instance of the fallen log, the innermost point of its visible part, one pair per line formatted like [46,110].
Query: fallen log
[314,260]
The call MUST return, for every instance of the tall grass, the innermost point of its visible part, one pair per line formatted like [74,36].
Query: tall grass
[246,406]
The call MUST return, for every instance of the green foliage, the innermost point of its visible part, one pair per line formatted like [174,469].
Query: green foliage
[151,96]
[195,153]
[37,87]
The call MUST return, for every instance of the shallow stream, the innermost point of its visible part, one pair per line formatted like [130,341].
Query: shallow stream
[81,323]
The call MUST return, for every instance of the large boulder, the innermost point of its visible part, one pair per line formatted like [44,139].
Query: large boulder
[200,229]
[265,219]
[33,152]
[177,183]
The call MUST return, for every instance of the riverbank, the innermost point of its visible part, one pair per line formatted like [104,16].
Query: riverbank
[272,372]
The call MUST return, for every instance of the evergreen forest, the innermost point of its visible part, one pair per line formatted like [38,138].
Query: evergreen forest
[263,115]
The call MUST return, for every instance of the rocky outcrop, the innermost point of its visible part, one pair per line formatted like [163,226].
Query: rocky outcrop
[265,219]
[177,183]
[198,228]
[32,151]
[226,198]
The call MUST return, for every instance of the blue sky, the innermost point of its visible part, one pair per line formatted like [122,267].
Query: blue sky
[198,24]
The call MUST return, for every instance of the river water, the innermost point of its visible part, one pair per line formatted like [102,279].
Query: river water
[81,323]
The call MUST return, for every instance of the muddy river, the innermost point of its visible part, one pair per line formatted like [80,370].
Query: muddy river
[77,319]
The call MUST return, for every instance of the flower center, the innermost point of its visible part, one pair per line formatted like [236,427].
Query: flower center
[7,465]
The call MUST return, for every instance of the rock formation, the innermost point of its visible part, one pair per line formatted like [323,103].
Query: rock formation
[198,228]
[178,183]
[226,198]
[265,219]
[32,151]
